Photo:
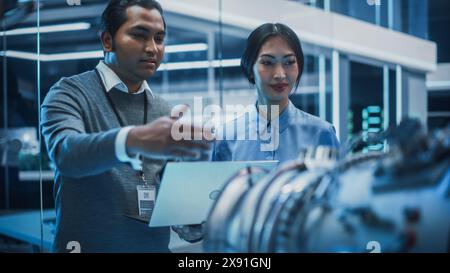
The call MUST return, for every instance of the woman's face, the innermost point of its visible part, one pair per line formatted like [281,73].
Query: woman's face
[275,71]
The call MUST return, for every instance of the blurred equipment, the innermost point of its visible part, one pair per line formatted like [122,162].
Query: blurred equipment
[397,201]
[9,150]
[14,11]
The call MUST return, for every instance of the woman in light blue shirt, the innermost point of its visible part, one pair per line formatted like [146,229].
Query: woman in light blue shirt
[273,128]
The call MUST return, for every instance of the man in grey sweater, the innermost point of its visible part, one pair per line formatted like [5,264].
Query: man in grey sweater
[107,134]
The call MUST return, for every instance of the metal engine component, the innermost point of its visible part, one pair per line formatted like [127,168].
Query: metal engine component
[397,201]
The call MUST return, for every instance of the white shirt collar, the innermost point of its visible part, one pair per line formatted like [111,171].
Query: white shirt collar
[111,80]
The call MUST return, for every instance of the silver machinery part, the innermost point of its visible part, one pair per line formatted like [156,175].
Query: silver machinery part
[397,201]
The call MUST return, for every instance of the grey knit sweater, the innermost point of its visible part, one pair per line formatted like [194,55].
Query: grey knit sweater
[93,190]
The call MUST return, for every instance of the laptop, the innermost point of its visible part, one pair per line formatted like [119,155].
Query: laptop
[188,189]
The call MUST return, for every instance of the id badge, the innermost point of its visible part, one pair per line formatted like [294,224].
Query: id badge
[146,200]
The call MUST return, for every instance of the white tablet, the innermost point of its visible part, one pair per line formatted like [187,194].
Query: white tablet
[189,189]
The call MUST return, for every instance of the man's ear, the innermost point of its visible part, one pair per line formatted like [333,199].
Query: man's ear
[107,41]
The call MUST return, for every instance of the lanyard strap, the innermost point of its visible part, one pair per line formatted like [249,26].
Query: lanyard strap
[119,118]
[111,103]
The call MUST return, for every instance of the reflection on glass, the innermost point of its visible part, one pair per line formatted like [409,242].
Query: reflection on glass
[408,16]
[20,156]
[314,92]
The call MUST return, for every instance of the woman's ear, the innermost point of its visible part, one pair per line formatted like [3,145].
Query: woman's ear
[252,78]
[107,41]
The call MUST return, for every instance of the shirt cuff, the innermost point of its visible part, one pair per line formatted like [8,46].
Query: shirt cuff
[121,149]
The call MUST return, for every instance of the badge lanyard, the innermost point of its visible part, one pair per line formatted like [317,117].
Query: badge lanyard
[146,192]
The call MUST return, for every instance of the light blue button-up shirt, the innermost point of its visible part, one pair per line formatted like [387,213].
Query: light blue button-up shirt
[298,130]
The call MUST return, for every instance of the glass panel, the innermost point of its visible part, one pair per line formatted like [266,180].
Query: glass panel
[368,107]
[20,155]
[232,86]
[359,9]
[439,20]
[176,79]
[438,109]
[408,16]
[415,18]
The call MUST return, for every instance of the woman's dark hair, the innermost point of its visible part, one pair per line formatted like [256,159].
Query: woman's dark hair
[259,36]
[115,14]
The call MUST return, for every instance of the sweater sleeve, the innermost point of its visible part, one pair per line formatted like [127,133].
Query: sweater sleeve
[74,152]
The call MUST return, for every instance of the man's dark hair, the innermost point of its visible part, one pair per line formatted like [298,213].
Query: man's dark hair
[115,14]
[259,36]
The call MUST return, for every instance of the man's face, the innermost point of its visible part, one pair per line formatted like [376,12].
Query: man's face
[138,44]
